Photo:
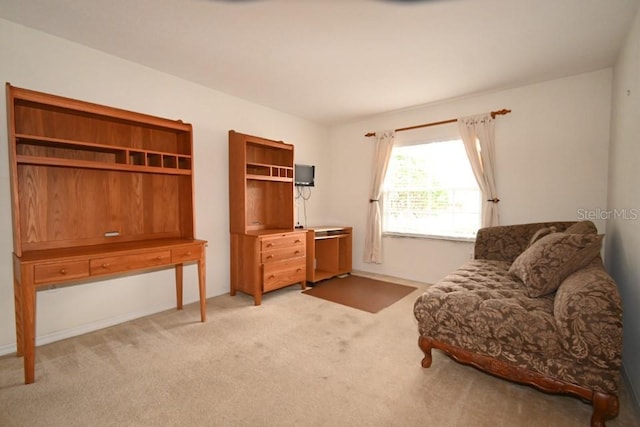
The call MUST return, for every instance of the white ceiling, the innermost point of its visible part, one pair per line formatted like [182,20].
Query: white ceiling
[331,61]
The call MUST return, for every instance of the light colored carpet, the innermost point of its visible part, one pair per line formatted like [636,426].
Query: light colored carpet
[294,360]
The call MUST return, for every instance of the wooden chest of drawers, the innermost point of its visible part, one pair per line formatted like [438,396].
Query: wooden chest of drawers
[267,260]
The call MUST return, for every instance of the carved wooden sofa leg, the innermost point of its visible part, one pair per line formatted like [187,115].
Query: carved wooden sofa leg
[425,346]
[605,406]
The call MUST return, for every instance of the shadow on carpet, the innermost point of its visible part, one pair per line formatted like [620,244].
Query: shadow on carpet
[360,292]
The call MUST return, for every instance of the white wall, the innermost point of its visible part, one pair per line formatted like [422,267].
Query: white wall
[551,161]
[38,61]
[623,232]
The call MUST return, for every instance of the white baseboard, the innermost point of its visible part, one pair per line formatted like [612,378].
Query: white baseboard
[635,398]
[387,278]
[88,327]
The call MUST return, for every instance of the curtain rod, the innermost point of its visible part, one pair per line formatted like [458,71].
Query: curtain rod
[493,116]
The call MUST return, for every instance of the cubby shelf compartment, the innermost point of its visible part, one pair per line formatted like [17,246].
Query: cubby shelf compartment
[268,172]
[39,150]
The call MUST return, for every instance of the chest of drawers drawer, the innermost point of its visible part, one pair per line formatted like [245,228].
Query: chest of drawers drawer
[279,274]
[187,253]
[116,264]
[60,271]
[282,241]
[282,254]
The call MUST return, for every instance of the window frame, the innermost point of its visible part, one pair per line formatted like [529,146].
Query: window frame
[423,137]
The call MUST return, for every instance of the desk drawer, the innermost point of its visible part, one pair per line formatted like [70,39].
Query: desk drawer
[282,240]
[60,271]
[187,253]
[280,274]
[116,264]
[283,254]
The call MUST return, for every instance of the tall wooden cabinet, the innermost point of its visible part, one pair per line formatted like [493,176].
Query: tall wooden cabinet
[267,253]
[96,191]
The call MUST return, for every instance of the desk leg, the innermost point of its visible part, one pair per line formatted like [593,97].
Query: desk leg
[202,288]
[28,308]
[17,295]
[179,286]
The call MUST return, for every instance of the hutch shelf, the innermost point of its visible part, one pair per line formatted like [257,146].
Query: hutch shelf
[96,191]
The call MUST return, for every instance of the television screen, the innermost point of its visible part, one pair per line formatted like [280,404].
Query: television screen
[304,175]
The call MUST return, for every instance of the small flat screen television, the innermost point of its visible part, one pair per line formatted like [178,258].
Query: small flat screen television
[304,175]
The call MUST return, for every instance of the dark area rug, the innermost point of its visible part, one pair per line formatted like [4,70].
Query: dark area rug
[360,292]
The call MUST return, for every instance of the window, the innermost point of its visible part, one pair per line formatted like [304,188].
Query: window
[430,190]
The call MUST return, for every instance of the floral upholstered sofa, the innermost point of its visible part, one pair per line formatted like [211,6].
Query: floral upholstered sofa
[534,306]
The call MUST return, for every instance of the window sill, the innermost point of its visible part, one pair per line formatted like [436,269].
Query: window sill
[429,237]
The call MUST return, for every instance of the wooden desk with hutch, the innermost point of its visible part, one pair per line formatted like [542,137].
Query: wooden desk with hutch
[96,191]
[267,253]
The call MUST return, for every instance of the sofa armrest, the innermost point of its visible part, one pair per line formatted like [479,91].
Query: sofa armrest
[588,313]
[506,242]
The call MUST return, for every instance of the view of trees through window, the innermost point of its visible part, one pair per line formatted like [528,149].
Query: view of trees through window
[430,190]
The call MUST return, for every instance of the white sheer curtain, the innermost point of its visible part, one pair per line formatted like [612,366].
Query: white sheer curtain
[373,238]
[478,135]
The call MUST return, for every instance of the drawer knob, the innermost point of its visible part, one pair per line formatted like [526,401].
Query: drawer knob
[297,241]
[63,271]
[296,252]
[298,270]
[105,265]
[272,277]
[269,256]
[188,253]
[269,245]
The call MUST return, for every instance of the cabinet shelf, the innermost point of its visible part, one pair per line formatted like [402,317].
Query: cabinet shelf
[44,141]
[48,161]
[37,150]
[332,236]
[269,172]
[319,275]
[269,178]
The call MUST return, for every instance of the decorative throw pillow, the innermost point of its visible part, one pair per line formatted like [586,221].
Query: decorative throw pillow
[582,227]
[541,233]
[543,266]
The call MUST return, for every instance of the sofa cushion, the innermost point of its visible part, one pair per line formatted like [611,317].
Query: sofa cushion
[544,231]
[588,313]
[481,304]
[582,227]
[506,242]
[546,263]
